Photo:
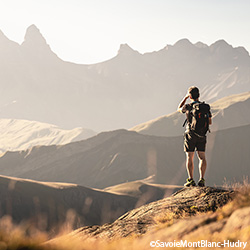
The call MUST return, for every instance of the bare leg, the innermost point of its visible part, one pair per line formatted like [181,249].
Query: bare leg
[202,164]
[190,164]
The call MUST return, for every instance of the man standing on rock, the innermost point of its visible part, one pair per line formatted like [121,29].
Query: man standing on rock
[198,120]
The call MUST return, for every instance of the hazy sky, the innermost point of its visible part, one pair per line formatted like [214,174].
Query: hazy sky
[89,31]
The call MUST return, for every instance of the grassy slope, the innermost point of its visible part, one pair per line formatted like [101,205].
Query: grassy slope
[233,218]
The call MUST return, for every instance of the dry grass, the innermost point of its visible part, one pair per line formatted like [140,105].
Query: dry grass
[19,237]
[24,237]
[168,219]
[242,199]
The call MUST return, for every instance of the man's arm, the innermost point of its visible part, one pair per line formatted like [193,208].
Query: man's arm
[182,103]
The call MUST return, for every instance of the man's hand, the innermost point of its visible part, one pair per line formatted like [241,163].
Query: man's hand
[182,103]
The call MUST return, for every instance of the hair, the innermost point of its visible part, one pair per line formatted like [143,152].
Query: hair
[194,92]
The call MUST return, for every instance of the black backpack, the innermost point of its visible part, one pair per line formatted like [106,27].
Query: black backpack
[199,118]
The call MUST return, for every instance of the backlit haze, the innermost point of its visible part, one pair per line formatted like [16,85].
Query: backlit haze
[91,31]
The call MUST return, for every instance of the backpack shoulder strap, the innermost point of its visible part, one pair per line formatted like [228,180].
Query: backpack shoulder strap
[184,123]
[189,108]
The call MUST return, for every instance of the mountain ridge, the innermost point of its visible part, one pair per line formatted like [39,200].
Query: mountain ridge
[116,157]
[121,92]
[19,135]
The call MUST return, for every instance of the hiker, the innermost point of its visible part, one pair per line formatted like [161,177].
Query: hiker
[198,120]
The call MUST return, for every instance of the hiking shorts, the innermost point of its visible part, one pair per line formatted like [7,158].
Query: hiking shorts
[194,142]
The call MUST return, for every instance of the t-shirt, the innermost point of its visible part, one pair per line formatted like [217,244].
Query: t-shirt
[187,108]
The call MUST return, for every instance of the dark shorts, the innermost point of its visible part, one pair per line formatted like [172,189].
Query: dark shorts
[193,141]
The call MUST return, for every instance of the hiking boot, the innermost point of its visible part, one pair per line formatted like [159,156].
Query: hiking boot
[190,183]
[201,183]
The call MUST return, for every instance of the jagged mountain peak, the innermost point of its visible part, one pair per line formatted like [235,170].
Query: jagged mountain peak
[33,35]
[220,44]
[242,51]
[201,45]
[36,45]
[183,43]
[125,49]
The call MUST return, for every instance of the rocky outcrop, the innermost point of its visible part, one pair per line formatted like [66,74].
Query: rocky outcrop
[182,204]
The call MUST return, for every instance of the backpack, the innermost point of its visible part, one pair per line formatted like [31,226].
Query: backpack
[200,118]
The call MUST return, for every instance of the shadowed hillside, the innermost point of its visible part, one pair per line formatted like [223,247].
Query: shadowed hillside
[52,206]
[119,156]
[104,160]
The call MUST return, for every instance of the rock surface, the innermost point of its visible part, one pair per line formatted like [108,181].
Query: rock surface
[183,203]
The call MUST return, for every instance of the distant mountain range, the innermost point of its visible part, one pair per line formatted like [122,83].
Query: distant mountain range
[122,92]
[19,135]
